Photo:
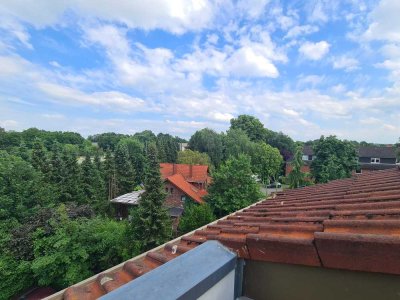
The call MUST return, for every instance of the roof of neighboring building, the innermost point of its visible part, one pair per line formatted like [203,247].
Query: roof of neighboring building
[131,198]
[192,173]
[375,151]
[179,181]
[308,150]
[351,224]
[369,166]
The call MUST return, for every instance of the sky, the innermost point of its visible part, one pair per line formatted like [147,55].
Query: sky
[304,67]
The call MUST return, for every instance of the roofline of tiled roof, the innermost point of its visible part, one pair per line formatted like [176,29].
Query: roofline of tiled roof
[58,295]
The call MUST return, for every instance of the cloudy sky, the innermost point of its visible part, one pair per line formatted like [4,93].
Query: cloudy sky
[303,67]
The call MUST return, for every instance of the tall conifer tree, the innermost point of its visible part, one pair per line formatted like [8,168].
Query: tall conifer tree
[151,223]
[125,173]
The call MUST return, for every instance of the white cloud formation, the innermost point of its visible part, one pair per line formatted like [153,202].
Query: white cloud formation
[175,16]
[314,51]
[345,62]
[385,22]
[300,30]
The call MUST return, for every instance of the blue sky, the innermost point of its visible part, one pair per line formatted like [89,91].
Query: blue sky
[306,68]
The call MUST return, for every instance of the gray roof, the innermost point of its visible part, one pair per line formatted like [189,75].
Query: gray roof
[130,198]
[175,211]
[308,150]
[369,166]
[375,151]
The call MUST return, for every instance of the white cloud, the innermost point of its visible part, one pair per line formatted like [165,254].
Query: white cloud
[9,124]
[300,30]
[314,51]
[345,62]
[385,23]
[112,99]
[175,16]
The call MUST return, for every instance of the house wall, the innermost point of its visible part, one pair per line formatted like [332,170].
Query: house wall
[174,198]
[383,160]
[304,169]
[273,281]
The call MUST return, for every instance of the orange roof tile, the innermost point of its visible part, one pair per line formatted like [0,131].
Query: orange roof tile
[192,173]
[180,182]
[351,224]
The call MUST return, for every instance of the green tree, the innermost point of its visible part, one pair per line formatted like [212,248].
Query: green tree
[110,175]
[70,186]
[39,157]
[22,188]
[297,177]
[251,126]
[92,185]
[151,223]
[136,157]
[193,158]
[233,186]
[237,142]
[125,173]
[266,161]
[335,159]
[208,141]
[195,216]
[283,142]
[167,147]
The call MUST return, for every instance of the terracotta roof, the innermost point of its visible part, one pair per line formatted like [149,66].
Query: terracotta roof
[192,173]
[351,224]
[180,182]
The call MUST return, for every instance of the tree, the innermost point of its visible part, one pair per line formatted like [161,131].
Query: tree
[136,157]
[92,185]
[208,141]
[151,223]
[70,185]
[195,216]
[237,142]
[110,175]
[39,157]
[297,177]
[233,186]
[283,142]
[108,140]
[125,173]
[266,161]
[193,158]
[335,159]
[251,126]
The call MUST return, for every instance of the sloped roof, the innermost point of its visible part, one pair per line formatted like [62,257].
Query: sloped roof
[374,151]
[180,182]
[308,150]
[351,224]
[129,198]
[192,173]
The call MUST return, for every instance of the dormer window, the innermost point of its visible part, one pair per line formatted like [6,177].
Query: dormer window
[375,160]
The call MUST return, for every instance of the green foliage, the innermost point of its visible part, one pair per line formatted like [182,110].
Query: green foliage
[108,140]
[167,148]
[283,142]
[124,171]
[151,222]
[39,157]
[193,158]
[233,186]
[252,126]
[237,142]
[266,161]
[70,186]
[296,178]
[22,188]
[335,159]
[195,216]
[136,157]
[208,141]
[146,137]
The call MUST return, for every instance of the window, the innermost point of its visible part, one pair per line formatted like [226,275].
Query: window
[172,190]
[358,171]
[166,190]
[183,198]
[375,160]
[305,157]
[310,157]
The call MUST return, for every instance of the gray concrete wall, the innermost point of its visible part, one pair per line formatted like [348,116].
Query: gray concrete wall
[272,281]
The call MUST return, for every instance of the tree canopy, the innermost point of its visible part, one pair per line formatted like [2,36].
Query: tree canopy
[210,142]
[233,186]
[266,161]
[335,159]
[193,158]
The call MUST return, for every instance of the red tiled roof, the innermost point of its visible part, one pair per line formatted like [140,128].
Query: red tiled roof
[180,182]
[192,173]
[351,224]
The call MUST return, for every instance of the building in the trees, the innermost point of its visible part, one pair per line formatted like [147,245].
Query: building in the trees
[182,182]
[370,158]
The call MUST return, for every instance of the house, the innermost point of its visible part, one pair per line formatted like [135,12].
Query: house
[307,157]
[370,158]
[338,240]
[373,158]
[182,183]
